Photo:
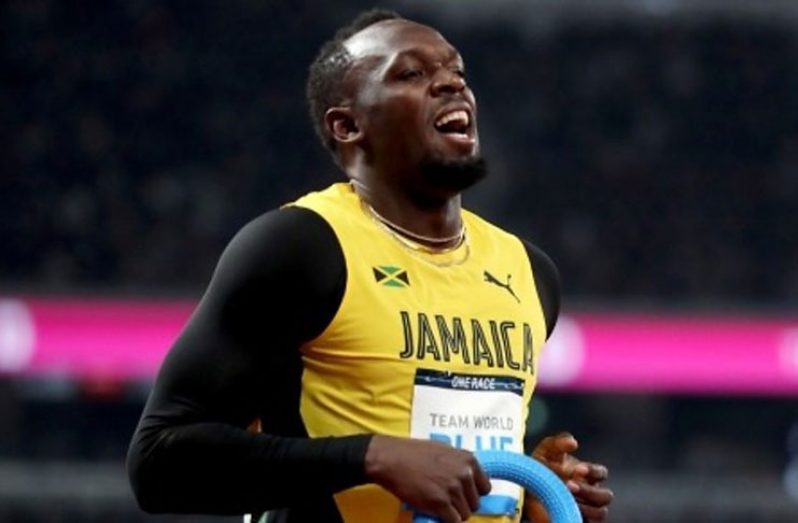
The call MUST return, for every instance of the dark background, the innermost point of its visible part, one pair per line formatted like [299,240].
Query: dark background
[649,147]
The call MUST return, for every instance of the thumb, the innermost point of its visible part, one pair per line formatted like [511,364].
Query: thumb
[555,448]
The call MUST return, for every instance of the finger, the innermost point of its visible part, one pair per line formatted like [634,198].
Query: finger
[594,514]
[450,515]
[470,490]
[575,468]
[595,473]
[460,504]
[567,467]
[481,479]
[566,442]
[593,495]
[553,448]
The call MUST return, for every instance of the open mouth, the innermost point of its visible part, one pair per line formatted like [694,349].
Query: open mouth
[455,124]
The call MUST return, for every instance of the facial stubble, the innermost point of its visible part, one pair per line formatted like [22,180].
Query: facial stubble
[454,175]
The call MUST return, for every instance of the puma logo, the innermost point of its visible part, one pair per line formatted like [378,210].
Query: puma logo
[492,279]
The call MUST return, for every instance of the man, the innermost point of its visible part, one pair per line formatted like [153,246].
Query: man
[374,333]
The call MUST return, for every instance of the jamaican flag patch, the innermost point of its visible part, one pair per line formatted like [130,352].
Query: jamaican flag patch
[390,276]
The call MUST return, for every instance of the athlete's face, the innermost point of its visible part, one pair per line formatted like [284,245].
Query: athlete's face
[410,97]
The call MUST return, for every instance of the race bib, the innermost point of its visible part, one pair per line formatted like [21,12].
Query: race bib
[472,412]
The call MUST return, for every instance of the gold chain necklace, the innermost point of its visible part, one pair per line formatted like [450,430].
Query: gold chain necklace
[423,252]
[429,254]
[416,246]
[458,237]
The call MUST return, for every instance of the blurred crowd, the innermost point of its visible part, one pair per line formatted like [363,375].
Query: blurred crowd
[653,160]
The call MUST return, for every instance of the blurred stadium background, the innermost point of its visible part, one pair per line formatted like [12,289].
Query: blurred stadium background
[650,146]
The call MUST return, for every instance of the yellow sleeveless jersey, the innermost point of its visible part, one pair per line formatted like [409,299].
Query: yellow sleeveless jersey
[437,346]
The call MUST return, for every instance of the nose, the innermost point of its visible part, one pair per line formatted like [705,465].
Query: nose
[447,82]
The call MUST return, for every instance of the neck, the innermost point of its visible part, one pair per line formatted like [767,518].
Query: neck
[432,222]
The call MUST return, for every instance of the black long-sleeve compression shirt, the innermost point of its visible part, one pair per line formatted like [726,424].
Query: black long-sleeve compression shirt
[277,285]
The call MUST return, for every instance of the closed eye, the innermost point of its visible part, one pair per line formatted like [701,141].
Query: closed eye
[411,74]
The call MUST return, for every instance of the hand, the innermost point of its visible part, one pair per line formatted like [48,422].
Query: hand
[582,478]
[430,476]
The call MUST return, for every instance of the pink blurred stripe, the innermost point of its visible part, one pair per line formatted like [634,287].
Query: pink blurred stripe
[698,354]
[127,339]
[104,338]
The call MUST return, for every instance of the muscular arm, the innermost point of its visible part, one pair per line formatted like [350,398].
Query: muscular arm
[278,284]
[547,282]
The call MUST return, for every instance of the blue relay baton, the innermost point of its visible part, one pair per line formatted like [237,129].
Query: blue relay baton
[534,477]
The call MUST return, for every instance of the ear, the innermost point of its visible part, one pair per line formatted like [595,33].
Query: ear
[341,125]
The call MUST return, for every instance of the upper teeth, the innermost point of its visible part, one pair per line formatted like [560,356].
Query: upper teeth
[454,115]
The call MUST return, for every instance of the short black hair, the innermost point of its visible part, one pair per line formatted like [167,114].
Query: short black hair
[324,87]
